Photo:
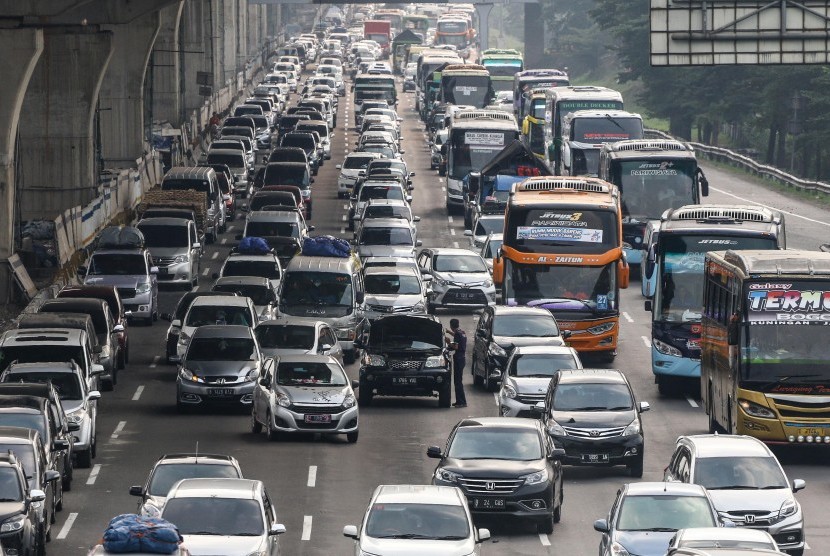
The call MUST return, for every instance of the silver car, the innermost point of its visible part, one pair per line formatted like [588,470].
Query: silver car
[527,377]
[266,265]
[257,288]
[234,517]
[133,273]
[220,310]
[298,336]
[386,208]
[484,225]
[386,237]
[404,519]
[349,170]
[458,277]
[393,291]
[175,247]
[220,367]
[304,393]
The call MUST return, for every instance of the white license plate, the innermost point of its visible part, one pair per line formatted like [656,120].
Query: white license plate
[220,391]
[318,418]
[404,380]
[595,458]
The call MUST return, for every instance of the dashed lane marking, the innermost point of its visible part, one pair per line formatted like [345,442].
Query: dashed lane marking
[452,231]
[93,475]
[342,229]
[455,244]
[215,255]
[312,476]
[691,402]
[306,528]
[231,227]
[344,217]
[155,362]
[770,207]
[64,532]
[627,317]
[119,429]
[449,218]
[224,241]
[646,341]
[206,271]
[544,538]
[138,392]
[496,397]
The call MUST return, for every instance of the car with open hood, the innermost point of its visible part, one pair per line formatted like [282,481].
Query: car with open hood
[405,356]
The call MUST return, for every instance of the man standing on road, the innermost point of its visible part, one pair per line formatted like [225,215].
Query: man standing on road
[459,359]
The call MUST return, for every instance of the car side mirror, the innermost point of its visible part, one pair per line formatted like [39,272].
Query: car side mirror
[434,452]
[93,395]
[416,218]
[538,408]
[176,323]
[408,198]
[96,370]
[37,495]
[483,534]
[277,529]
[426,277]
[60,444]
[226,197]
[311,180]
[311,228]
[647,305]
[339,167]
[81,271]
[154,270]
[468,233]
[350,531]
[325,347]
[799,484]
[556,454]
[566,334]
[51,476]
[265,382]
[418,243]
[196,245]
[601,525]
[118,328]
[355,384]
[644,406]
[402,151]
[136,490]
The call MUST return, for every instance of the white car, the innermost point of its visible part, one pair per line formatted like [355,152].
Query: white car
[526,379]
[393,291]
[215,309]
[350,170]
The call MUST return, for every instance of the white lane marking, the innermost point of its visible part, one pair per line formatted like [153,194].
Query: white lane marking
[806,546]
[496,397]
[64,532]
[155,362]
[224,241]
[344,217]
[544,538]
[627,317]
[452,231]
[206,271]
[306,528]
[231,227]
[93,475]
[646,341]
[443,189]
[138,392]
[449,218]
[691,402]
[770,207]
[312,476]
[455,244]
[342,229]
[215,255]
[345,207]
[119,429]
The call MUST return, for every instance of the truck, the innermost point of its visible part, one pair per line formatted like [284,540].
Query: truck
[190,204]
[379,31]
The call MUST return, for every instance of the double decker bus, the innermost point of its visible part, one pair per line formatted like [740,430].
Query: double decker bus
[503,64]
[533,123]
[454,30]
[584,132]
[765,370]
[473,139]
[467,84]
[375,87]
[527,81]
[653,176]
[562,251]
[394,16]
[676,259]
[561,101]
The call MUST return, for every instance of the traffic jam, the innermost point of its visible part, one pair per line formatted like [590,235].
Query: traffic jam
[396,233]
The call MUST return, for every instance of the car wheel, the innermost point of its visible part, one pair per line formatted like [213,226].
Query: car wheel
[490,385]
[126,354]
[121,361]
[271,433]
[364,395]
[351,437]
[545,526]
[84,458]
[107,385]
[478,380]
[445,395]
[66,482]
[256,426]
[636,468]
[665,386]
[557,511]
[94,449]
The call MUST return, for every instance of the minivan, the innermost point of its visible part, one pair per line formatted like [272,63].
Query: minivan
[200,178]
[237,161]
[175,247]
[323,129]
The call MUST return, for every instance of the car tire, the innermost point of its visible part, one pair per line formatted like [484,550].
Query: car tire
[349,356]
[256,426]
[351,437]
[665,386]
[66,482]
[126,354]
[84,459]
[94,448]
[364,395]
[557,510]
[121,360]
[445,395]
[430,309]
[107,385]
[271,433]
[490,385]
[545,526]
[478,380]
[635,469]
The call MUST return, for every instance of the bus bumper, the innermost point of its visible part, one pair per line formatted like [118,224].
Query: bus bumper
[668,365]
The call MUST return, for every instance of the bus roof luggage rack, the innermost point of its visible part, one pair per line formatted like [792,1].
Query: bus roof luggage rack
[650,145]
[713,213]
[592,185]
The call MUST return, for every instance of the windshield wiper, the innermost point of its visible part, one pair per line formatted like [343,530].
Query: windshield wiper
[535,375]
[656,529]
[449,538]
[406,536]
[733,487]
[783,378]
[611,119]
[589,408]
[201,533]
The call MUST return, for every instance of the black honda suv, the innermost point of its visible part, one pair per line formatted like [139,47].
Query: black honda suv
[19,529]
[405,356]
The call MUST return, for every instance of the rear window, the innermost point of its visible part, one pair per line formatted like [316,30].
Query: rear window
[306,143]
[232,160]
[357,162]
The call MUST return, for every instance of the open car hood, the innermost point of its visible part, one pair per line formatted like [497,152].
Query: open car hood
[411,328]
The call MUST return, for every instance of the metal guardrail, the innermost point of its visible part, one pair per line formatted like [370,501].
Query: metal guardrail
[747,164]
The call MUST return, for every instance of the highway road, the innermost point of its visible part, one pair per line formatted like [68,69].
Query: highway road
[319,485]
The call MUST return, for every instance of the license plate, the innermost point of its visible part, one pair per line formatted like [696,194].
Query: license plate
[318,418]
[811,432]
[220,391]
[404,380]
[595,458]
[488,503]
[465,295]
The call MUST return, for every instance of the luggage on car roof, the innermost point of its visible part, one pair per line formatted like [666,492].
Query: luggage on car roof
[326,246]
[121,237]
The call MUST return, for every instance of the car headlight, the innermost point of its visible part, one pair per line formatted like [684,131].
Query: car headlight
[348,401]
[181,259]
[373,360]
[788,508]
[536,478]
[150,510]
[443,475]
[13,524]
[496,350]
[488,283]
[434,362]
[184,338]
[665,349]
[508,391]
[188,376]
[76,416]
[283,400]
[252,375]
[438,280]
[618,550]
[554,428]
[755,410]
[633,428]
[419,307]
[345,333]
[143,288]
[601,328]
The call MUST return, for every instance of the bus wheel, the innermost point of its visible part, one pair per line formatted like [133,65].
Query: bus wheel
[664,386]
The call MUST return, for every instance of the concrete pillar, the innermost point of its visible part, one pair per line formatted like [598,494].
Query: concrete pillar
[194,37]
[254,30]
[22,48]
[534,36]
[166,67]
[483,11]
[227,35]
[56,148]
[123,137]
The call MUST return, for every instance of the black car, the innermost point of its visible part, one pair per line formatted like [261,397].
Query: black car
[500,329]
[506,467]
[175,320]
[593,416]
[405,356]
[19,530]
[305,141]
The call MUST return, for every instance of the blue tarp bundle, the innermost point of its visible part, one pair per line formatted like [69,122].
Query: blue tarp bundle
[134,533]
[326,246]
[253,246]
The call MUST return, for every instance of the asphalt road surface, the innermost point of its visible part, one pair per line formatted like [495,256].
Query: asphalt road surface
[319,485]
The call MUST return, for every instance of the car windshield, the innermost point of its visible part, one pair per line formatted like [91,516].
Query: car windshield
[164,236]
[232,160]
[68,385]
[391,284]
[378,148]
[260,295]
[525,325]
[592,396]
[202,315]
[386,236]
[215,516]
[317,288]
[417,521]
[285,336]
[10,488]
[168,474]
[221,349]
[26,454]
[459,263]
[381,192]
[739,472]
[263,269]
[495,443]
[664,512]
[40,352]
[541,364]
[34,421]
[124,264]
[310,373]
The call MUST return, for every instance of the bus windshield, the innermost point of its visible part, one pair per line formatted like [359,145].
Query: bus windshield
[649,188]
[543,230]
[565,107]
[606,130]
[472,90]
[470,149]
[561,288]
[503,67]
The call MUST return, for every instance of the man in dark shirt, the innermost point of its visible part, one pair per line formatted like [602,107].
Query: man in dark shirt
[459,359]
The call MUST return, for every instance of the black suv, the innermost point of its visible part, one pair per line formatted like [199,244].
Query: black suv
[593,416]
[506,467]
[500,329]
[19,530]
[405,356]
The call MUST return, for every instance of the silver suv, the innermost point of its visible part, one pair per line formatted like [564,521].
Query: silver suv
[133,273]
[176,249]
[458,277]
[392,290]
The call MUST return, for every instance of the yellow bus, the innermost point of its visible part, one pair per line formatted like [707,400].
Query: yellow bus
[765,361]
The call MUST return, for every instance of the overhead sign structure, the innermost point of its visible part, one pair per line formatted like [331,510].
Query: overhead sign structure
[731,32]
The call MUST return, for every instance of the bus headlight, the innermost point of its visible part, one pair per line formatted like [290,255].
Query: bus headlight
[755,410]
[665,349]
[601,328]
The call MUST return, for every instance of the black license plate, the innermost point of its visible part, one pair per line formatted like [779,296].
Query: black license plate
[318,418]
[595,458]
[220,392]
[163,270]
[404,380]
[488,503]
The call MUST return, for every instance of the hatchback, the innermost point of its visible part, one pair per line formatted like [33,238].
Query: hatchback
[527,376]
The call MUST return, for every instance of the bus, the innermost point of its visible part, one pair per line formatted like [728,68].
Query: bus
[393,16]
[562,251]
[561,101]
[528,80]
[584,132]
[473,139]
[765,370]
[417,23]
[375,87]
[429,61]
[653,176]
[467,84]
[533,123]
[686,234]
[456,31]
[502,63]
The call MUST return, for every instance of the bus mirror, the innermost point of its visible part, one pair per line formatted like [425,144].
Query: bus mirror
[622,274]
[704,183]
[525,126]
[732,333]
[475,180]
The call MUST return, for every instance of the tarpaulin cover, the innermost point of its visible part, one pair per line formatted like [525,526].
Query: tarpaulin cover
[253,246]
[148,535]
[326,246]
